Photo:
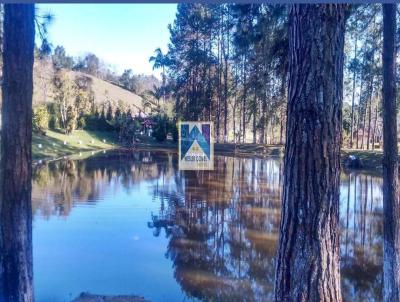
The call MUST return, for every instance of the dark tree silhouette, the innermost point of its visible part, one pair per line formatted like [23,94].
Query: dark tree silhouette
[16,163]
[391,207]
[308,256]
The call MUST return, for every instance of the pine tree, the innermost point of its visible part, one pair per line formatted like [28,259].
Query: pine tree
[391,203]
[16,282]
[309,232]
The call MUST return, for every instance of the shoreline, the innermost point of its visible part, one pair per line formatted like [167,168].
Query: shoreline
[371,159]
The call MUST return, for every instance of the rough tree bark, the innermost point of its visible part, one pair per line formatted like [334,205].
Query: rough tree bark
[16,136]
[391,207]
[308,254]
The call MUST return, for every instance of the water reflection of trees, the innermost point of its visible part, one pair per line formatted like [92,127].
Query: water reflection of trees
[222,225]
[223,231]
[361,237]
[58,185]
[223,228]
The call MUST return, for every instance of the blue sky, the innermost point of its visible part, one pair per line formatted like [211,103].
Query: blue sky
[123,35]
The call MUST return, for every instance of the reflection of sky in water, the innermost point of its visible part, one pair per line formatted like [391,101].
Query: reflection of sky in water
[136,225]
[103,248]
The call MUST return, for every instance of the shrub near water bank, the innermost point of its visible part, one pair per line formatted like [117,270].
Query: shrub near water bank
[163,126]
[40,119]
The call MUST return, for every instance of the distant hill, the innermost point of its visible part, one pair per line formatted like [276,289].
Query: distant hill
[103,90]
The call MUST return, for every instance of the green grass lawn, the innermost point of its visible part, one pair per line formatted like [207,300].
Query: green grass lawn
[249,149]
[52,144]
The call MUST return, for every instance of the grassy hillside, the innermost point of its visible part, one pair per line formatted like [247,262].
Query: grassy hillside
[103,90]
[52,144]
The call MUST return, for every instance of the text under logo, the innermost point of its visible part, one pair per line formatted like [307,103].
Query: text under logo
[196,147]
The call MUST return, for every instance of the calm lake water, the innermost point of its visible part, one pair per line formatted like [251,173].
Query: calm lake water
[120,224]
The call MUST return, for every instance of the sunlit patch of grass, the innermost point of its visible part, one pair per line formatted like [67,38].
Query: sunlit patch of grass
[56,144]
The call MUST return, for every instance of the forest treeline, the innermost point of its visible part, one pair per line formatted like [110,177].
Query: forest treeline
[229,63]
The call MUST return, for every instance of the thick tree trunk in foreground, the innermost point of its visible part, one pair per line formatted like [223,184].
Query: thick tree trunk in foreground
[16,137]
[308,256]
[391,206]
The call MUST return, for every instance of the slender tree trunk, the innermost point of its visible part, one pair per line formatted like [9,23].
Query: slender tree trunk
[163,82]
[240,121]
[359,114]
[244,99]
[219,79]
[16,162]
[358,126]
[255,119]
[391,206]
[226,78]
[353,97]
[363,130]
[369,121]
[234,122]
[374,129]
[308,255]
[281,127]
[235,100]
[263,118]
[272,128]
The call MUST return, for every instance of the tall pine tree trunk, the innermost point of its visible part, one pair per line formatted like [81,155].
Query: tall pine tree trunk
[363,122]
[263,118]
[374,129]
[308,255]
[255,118]
[391,206]
[244,99]
[226,77]
[359,114]
[281,127]
[369,120]
[16,163]
[353,96]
